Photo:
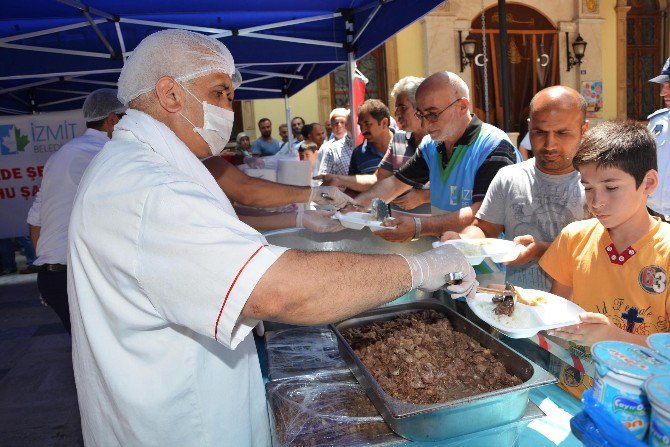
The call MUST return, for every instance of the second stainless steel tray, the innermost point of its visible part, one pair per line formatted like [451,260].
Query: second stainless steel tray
[419,422]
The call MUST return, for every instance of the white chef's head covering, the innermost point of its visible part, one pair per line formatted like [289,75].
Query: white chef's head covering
[100,103]
[180,54]
[665,74]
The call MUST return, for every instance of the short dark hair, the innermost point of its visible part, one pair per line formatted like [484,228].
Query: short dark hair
[97,125]
[376,109]
[309,146]
[298,118]
[263,119]
[305,131]
[625,145]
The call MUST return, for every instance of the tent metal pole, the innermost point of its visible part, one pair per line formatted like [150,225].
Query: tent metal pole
[351,73]
[62,73]
[54,50]
[504,64]
[367,22]
[351,69]
[270,73]
[254,29]
[53,103]
[62,90]
[33,103]
[44,32]
[253,64]
[119,35]
[102,38]
[11,111]
[260,89]
[322,43]
[291,137]
[258,79]
[92,81]
[18,99]
[27,86]
[202,29]
[82,7]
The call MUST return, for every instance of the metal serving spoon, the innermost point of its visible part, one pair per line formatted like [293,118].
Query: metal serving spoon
[379,209]
[457,277]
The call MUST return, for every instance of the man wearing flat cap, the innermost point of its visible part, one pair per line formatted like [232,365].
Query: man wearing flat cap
[659,122]
[165,281]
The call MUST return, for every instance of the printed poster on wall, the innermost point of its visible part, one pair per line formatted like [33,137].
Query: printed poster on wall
[26,143]
[593,93]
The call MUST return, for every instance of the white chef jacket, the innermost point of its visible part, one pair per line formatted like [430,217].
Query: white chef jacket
[159,273]
[53,204]
[659,125]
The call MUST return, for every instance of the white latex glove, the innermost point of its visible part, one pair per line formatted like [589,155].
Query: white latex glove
[334,197]
[254,162]
[318,221]
[430,269]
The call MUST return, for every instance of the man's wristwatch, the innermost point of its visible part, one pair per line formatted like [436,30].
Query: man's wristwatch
[417,228]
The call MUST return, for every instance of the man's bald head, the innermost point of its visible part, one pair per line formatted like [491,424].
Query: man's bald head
[445,80]
[443,105]
[558,97]
[556,125]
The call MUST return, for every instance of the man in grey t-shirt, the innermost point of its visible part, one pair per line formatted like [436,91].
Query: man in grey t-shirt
[532,201]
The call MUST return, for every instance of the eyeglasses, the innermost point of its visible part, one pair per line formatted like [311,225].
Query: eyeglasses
[433,116]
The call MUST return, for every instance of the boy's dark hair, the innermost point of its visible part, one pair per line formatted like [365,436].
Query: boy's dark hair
[625,145]
[376,109]
[308,146]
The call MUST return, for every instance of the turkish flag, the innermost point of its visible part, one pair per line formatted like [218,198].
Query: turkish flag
[358,96]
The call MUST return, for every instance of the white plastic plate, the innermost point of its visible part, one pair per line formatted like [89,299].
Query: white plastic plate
[476,250]
[356,221]
[527,321]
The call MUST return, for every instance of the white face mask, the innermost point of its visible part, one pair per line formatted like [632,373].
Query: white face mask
[217,126]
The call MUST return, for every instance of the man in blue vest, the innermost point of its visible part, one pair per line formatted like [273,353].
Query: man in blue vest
[459,157]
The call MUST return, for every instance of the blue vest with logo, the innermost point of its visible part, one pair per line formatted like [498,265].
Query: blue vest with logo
[451,187]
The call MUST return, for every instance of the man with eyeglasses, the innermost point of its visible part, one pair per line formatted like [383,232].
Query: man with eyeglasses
[459,158]
[49,216]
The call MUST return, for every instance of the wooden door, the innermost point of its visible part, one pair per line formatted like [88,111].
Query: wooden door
[532,55]
[643,58]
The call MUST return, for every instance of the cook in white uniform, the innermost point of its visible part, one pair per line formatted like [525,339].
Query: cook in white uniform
[659,124]
[49,215]
[165,282]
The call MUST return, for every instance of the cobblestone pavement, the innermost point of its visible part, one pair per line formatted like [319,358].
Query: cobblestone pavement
[38,401]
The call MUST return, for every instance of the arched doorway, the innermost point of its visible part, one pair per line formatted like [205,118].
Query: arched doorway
[644,35]
[532,55]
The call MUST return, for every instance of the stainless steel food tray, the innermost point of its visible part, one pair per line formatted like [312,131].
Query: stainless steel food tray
[309,425]
[419,422]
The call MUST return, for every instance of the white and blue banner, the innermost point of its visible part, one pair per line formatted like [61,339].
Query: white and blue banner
[26,143]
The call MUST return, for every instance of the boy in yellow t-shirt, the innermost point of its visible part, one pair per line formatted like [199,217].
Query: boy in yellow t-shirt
[616,265]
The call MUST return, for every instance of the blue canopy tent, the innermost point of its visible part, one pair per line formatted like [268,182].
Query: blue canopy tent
[54,52]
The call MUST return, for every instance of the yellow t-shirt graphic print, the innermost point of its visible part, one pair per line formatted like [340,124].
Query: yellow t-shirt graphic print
[627,284]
